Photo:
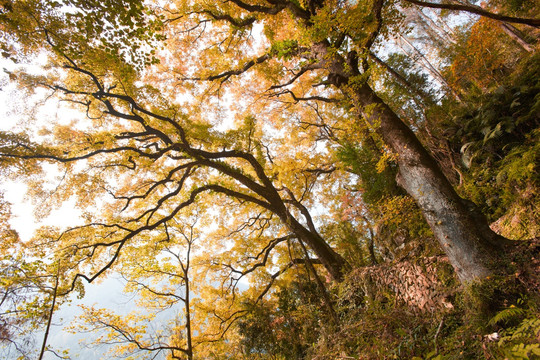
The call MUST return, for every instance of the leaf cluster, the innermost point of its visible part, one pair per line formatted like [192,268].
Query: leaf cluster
[498,142]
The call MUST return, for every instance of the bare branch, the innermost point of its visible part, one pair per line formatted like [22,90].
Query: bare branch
[259,8]
[265,253]
[282,271]
[478,11]
[295,77]
[227,74]
[308,98]
[239,23]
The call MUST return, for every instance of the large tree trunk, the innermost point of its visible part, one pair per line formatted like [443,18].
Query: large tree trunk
[461,230]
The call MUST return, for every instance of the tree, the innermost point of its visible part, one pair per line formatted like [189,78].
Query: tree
[145,154]
[29,294]
[330,48]
[260,113]
[160,275]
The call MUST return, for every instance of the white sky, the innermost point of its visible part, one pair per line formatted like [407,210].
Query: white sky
[105,294]
[108,292]
[11,102]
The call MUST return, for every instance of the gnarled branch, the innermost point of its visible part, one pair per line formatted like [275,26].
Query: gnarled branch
[477,10]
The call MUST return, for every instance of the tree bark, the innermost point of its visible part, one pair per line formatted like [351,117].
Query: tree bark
[187,309]
[514,35]
[462,232]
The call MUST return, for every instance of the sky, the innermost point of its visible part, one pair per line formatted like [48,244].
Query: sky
[105,294]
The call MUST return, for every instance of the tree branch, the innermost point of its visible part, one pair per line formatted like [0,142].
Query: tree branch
[239,23]
[298,99]
[259,8]
[478,11]
[282,271]
[227,74]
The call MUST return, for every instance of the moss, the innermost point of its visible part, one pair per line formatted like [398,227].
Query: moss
[516,281]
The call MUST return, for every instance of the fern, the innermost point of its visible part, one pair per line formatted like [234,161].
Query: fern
[507,315]
[524,352]
[521,343]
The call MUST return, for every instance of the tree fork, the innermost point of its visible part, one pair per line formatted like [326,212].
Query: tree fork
[334,263]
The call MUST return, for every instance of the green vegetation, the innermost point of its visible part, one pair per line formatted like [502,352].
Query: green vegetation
[296,180]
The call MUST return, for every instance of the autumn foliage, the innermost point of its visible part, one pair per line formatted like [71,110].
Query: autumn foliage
[288,179]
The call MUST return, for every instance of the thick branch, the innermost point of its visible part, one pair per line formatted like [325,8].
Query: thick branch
[239,23]
[303,210]
[82,157]
[224,76]
[266,190]
[259,8]
[308,98]
[377,12]
[478,11]
[239,195]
